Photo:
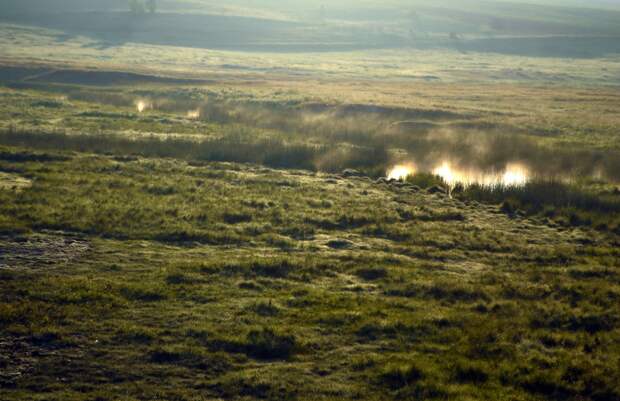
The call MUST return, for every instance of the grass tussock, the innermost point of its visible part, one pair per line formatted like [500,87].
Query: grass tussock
[569,204]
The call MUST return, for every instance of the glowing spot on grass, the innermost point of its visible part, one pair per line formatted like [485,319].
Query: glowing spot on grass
[193,114]
[141,105]
[401,172]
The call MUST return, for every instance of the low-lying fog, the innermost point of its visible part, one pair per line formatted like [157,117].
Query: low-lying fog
[513,174]
[459,148]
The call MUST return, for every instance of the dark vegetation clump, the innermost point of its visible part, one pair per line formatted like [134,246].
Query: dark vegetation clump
[273,152]
[266,309]
[568,204]
[372,273]
[397,376]
[272,268]
[340,244]
[143,293]
[426,180]
[237,217]
[466,371]
[179,279]
[267,344]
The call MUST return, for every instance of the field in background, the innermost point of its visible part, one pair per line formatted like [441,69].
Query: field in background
[23,44]
[332,127]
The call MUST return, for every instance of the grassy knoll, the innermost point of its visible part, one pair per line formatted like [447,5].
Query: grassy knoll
[133,278]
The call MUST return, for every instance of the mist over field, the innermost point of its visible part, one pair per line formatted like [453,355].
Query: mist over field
[309,200]
[541,28]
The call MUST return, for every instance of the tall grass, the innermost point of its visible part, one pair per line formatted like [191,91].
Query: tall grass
[272,152]
[570,203]
[426,135]
[358,135]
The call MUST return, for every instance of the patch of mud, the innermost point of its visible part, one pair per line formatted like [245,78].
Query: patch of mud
[13,182]
[40,250]
[18,357]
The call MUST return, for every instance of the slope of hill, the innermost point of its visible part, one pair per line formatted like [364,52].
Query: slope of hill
[512,28]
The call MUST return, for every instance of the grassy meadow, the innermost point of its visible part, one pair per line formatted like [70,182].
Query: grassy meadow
[183,224]
[158,255]
[148,278]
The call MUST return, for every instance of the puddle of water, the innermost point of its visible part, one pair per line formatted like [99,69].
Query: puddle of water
[142,105]
[193,114]
[401,171]
[513,175]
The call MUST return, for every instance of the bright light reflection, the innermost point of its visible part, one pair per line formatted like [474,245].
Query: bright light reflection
[401,172]
[513,175]
[141,105]
[193,114]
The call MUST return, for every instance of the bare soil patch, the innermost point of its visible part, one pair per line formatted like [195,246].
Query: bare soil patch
[40,250]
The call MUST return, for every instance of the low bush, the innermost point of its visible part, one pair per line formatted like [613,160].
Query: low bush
[568,204]
[372,273]
[466,371]
[267,344]
[272,268]
[265,309]
[396,376]
[143,294]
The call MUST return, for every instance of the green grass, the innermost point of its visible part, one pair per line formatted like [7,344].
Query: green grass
[152,256]
[568,204]
[31,44]
[180,291]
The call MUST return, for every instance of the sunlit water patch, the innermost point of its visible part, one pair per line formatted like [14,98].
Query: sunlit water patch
[401,171]
[142,105]
[514,174]
[193,114]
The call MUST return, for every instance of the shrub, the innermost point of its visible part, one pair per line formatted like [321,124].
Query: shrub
[397,376]
[340,244]
[250,285]
[546,383]
[45,337]
[51,104]
[266,309]
[267,344]
[135,293]
[237,217]
[136,335]
[164,356]
[509,207]
[426,180]
[372,273]
[469,372]
[161,190]
[179,278]
[569,204]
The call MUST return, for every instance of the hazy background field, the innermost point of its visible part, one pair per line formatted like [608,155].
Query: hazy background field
[541,28]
